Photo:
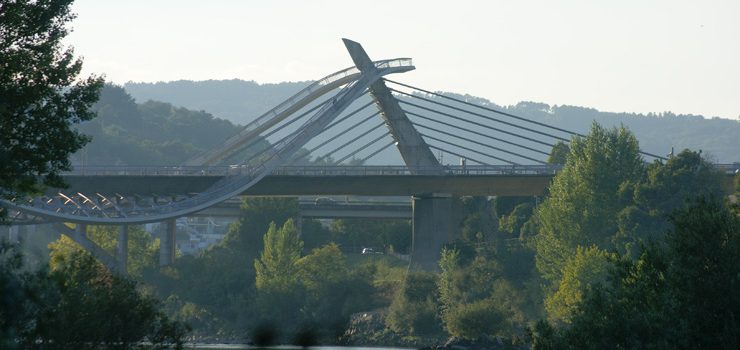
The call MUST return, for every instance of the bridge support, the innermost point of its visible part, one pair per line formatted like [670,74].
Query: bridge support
[415,152]
[298,220]
[79,235]
[432,225]
[13,233]
[167,244]
[122,249]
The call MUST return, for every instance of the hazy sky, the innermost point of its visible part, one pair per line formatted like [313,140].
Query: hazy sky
[627,55]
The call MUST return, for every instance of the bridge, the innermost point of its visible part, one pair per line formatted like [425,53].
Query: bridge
[481,180]
[325,123]
[327,208]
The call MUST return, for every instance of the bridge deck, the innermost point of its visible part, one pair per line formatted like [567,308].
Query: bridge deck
[322,180]
[296,185]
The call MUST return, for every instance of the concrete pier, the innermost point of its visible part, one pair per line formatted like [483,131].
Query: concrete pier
[432,227]
[122,249]
[167,244]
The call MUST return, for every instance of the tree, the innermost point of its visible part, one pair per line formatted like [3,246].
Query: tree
[19,292]
[475,299]
[665,188]
[586,196]
[354,234]
[680,293]
[414,308]
[41,97]
[587,268]
[558,154]
[221,279]
[276,268]
[514,222]
[280,294]
[143,249]
[79,304]
[87,306]
[332,291]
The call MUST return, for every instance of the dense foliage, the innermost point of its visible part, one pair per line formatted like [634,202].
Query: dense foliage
[77,305]
[681,293]
[41,96]
[148,133]
[585,200]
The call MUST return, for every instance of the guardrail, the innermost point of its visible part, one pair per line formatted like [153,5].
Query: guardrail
[363,170]
[315,170]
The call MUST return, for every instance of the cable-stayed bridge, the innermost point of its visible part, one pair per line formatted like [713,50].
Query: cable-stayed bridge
[344,119]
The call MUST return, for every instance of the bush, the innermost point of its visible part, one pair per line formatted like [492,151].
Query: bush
[414,310]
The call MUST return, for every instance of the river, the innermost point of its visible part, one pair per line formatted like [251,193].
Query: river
[244,346]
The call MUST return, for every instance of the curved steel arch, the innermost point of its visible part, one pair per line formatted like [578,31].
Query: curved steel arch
[286,108]
[99,209]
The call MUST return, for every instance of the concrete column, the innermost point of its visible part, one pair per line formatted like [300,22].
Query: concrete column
[299,224]
[167,243]
[81,230]
[13,233]
[122,250]
[432,227]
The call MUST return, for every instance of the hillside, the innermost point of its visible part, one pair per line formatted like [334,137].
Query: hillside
[240,101]
[235,100]
[150,133]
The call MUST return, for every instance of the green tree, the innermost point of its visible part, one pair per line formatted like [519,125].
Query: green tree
[559,153]
[332,291]
[19,291]
[478,224]
[354,234]
[87,306]
[143,249]
[279,292]
[514,222]
[414,310]
[276,268]
[322,268]
[79,304]
[221,279]
[585,197]
[475,299]
[680,293]
[41,97]
[665,188]
[587,268]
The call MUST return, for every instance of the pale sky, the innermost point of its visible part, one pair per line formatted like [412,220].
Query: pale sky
[627,55]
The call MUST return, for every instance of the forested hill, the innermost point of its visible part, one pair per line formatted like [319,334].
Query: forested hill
[236,100]
[240,101]
[150,133]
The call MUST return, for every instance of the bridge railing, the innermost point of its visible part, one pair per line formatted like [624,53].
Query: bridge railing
[319,170]
[309,170]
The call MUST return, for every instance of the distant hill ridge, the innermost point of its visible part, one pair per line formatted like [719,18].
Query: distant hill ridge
[240,101]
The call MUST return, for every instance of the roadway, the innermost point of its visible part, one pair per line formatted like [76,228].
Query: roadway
[326,180]
[326,208]
[315,180]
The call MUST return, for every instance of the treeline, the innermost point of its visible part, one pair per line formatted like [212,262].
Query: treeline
[238,101]
[151,133]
